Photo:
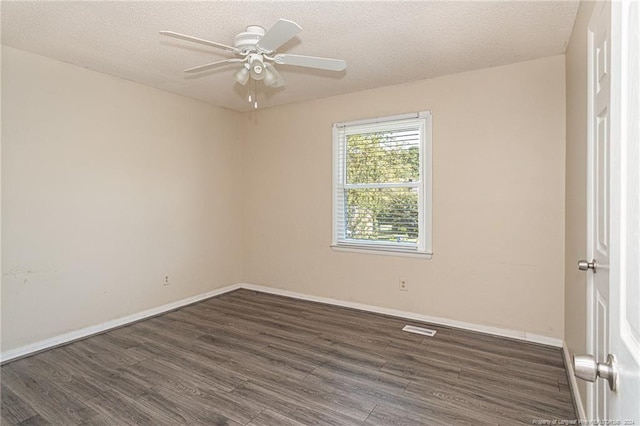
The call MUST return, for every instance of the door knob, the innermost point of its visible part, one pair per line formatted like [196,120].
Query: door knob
[585,265]
[586,367]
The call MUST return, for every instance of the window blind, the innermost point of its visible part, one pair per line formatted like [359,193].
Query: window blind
[379,184]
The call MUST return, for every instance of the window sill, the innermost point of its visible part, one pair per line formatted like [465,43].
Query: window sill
[382,251]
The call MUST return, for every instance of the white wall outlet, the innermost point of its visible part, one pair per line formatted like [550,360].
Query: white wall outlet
[403,284]
[166,280]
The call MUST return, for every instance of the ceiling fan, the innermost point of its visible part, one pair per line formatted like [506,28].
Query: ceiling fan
[256,49]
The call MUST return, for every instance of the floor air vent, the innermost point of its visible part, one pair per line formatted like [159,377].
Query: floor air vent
[419,330]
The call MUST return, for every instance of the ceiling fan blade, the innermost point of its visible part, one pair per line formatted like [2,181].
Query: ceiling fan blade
[212,65]
[281,32]
[199,40]
[311,62]
[273,78]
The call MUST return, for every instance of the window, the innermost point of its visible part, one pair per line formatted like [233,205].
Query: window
[382,184]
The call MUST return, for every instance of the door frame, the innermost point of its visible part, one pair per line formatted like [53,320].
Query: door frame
[623,342]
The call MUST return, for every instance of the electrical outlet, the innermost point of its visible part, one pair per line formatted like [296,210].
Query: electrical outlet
[166,280]
[403,284]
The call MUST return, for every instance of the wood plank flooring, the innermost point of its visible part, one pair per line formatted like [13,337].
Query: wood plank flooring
[247,358]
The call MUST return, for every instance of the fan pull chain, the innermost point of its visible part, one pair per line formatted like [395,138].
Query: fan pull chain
[253,97]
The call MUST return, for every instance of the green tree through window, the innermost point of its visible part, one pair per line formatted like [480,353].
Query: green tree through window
[382,213]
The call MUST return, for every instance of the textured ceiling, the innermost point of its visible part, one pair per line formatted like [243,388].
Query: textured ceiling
[384,43]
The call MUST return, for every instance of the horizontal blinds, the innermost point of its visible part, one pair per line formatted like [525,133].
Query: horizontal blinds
[378,175]
[382,214]
[383,157]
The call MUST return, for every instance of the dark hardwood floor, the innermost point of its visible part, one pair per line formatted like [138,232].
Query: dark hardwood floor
[247,358]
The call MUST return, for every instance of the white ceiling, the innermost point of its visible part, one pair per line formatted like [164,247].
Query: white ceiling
[384,43]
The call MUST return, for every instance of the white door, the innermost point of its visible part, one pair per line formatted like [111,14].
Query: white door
[598,217]
[613,217]
[624,308]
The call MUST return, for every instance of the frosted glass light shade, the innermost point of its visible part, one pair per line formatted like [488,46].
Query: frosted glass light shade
[242,75]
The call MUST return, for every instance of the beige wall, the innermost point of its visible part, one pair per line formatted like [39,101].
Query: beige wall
[576,187]
[498,214]
[107,186]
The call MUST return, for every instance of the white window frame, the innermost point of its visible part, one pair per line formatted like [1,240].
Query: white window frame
[424,185]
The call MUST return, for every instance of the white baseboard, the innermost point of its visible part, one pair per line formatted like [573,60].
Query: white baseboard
[502,332]
[573,384]
[119,322]
[100,328]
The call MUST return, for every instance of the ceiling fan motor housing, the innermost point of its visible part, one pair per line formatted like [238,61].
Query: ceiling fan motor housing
[246,41]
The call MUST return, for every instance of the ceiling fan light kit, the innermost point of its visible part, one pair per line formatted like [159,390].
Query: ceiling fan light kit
[256,66]
[254,48]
